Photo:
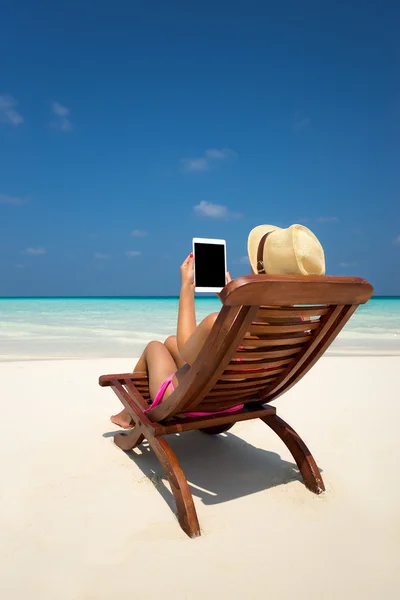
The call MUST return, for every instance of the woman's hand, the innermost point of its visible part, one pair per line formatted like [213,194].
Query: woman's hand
[187,272]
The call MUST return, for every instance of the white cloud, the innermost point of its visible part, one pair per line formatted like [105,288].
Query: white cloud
[327,219]
[243,260]
[101,256]
[347,265]
[19,266]
[397,240]
[132,253]
[207,209]
[8,114]
[214,211]
[35,251]
[208,161]
[14,200]
[192,165]
[138,233]
[62,117]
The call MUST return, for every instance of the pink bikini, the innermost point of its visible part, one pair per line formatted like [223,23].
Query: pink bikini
[161,392]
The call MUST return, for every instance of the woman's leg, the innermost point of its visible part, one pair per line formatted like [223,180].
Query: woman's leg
[159,354]
[171,344]
[159,364]
[123,418]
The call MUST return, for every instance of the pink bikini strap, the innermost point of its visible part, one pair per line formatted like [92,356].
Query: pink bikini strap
[161,392]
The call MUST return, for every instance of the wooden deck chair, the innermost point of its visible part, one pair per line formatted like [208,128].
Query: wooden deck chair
[278,326]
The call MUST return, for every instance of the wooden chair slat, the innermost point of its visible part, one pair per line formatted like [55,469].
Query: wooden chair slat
[246,383]
[285,312]
[229,394]
[240,386]
[248,353]
[121,376]
[286,320]
[295,290]
[134,392]
[227,378]
[249,373]
[267,329]
[245,365]
[257,342]
[265,335]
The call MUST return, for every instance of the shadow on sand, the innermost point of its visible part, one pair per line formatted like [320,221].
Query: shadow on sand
[218,468]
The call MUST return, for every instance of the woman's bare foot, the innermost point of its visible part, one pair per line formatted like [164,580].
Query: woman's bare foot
[122,419]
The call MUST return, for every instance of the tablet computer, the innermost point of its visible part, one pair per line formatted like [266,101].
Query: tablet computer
[209,264]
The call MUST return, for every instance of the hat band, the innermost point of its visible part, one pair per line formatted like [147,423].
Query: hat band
[260,253]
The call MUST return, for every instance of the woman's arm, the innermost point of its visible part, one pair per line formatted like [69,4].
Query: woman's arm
[191,338]
[186,313]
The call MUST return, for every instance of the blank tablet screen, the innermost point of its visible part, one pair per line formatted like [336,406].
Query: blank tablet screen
[209,265]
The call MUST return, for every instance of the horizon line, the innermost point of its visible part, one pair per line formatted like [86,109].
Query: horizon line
[205,295]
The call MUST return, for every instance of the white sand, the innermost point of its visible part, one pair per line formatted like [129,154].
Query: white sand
[81,520]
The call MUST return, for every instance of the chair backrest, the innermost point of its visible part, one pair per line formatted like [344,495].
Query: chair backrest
[270,331]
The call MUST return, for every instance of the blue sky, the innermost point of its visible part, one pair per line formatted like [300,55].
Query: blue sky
[127,128]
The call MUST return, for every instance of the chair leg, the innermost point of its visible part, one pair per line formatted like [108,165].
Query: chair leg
[301,454]
[130,440]
[187,515]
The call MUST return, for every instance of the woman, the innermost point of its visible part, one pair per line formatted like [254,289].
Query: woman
[168,362]
[272,250]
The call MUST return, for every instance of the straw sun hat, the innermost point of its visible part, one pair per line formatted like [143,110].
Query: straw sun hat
[276,251]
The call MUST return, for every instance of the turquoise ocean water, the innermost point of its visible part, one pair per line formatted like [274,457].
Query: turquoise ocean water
[43,328]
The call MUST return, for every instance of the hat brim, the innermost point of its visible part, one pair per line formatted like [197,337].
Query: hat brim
[253,242]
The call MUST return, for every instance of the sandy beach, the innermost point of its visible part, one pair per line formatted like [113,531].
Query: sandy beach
[80,519]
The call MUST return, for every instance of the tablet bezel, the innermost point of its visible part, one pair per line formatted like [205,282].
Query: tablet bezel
[214,290]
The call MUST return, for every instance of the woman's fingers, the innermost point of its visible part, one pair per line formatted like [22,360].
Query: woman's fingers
[187,260]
